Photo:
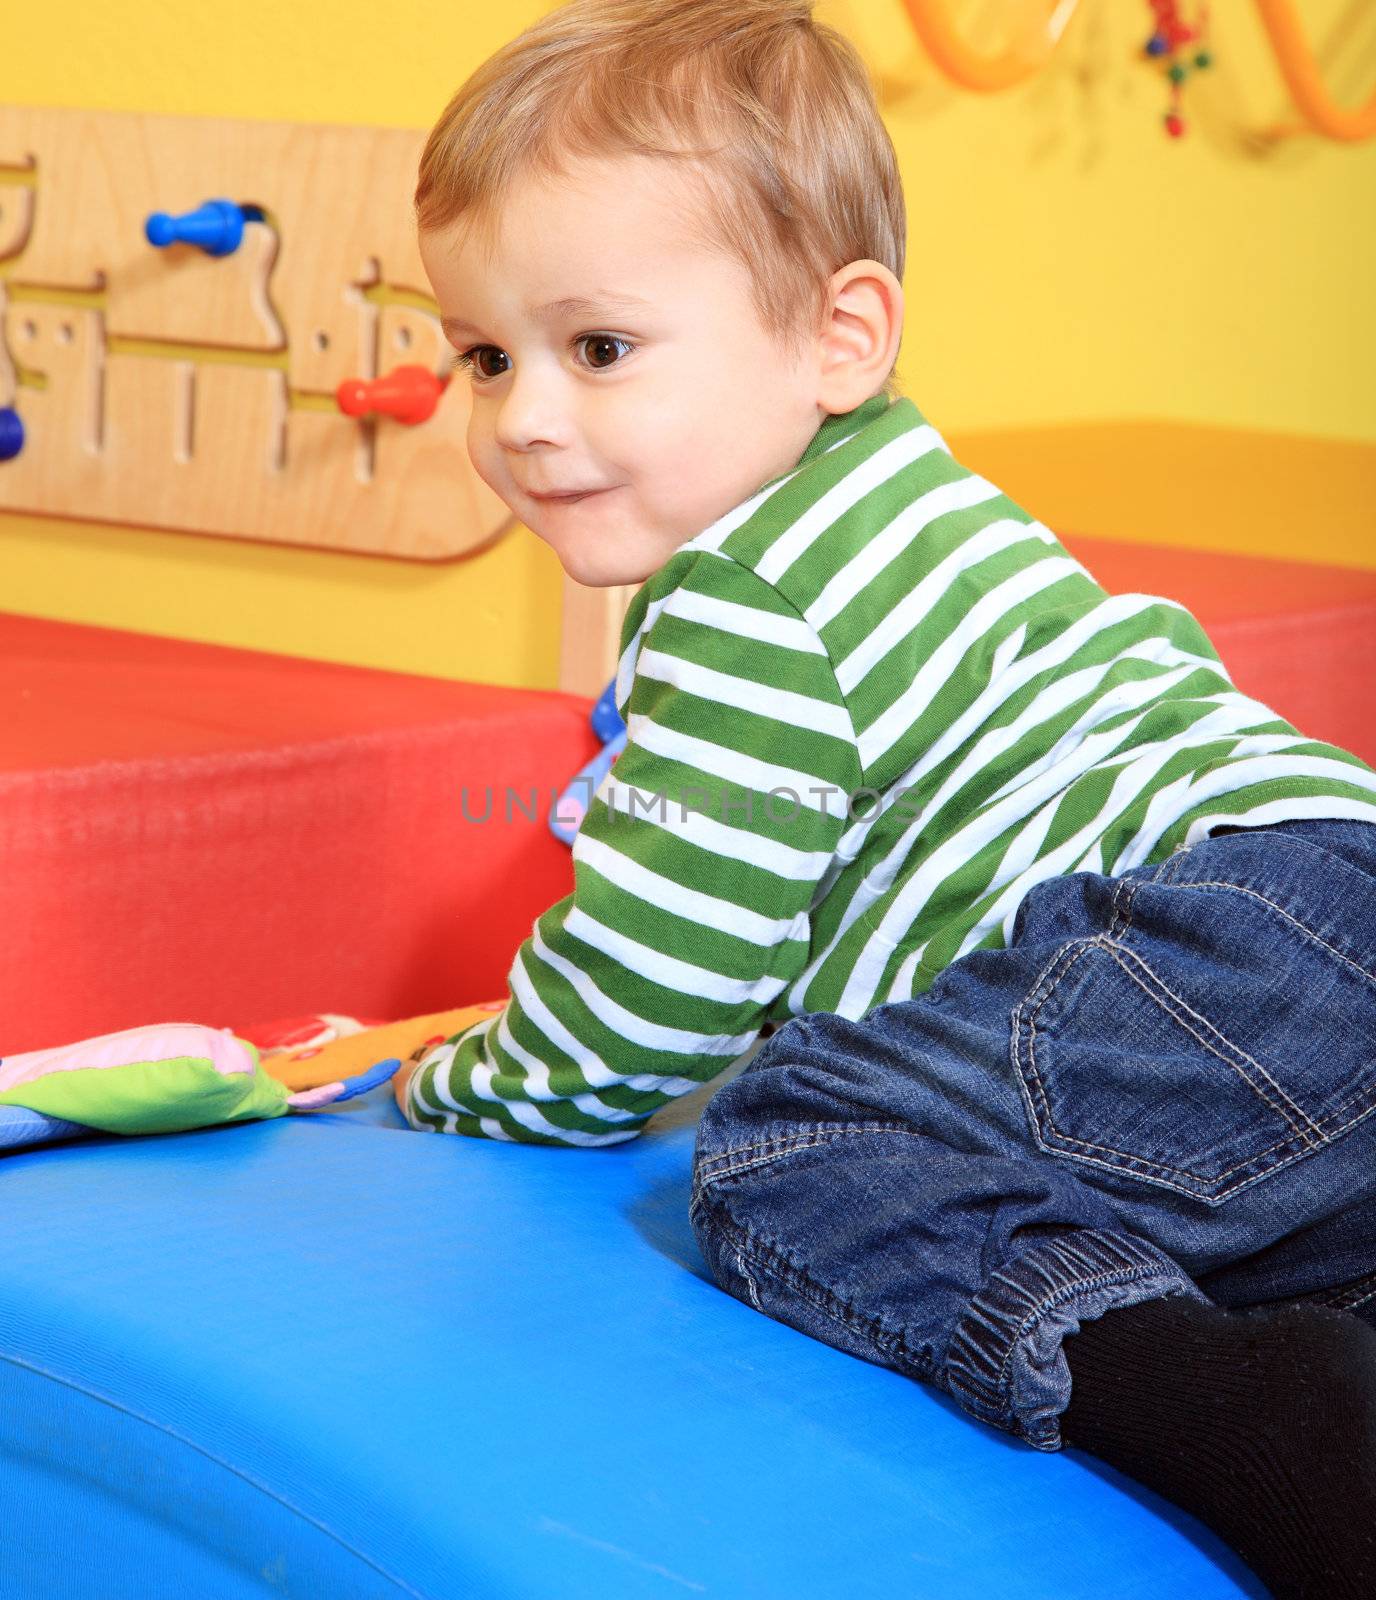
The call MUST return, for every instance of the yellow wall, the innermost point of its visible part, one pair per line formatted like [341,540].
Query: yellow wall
[1066,262]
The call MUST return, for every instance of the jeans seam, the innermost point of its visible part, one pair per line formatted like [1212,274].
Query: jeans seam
[1342,1303]
[1109,1149]
[750,1282]
[1328,1130]
[1325,1135]
[1346,1297]
[1214,883]
[763,1151]
[1173,865]
[746,1246]
[1298,1110]
[1100,1280]
[1124,891]
[1087,1265]
[1300,1113]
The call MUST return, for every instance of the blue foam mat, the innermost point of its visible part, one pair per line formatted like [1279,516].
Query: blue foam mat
[327,1356]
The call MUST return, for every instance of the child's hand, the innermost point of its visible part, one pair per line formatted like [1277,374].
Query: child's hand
[454,1022]
[357,1052]
[403,1077]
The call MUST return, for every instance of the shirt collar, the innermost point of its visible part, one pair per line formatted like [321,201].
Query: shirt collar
[844,423]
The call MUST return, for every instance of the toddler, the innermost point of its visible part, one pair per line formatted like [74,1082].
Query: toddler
[1067,944]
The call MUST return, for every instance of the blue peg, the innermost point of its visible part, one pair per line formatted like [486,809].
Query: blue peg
[217,227]
[11,433]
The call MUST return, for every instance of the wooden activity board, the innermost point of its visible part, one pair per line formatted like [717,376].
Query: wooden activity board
[178,389]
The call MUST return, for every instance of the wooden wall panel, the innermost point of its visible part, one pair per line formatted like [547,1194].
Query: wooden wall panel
[173,389]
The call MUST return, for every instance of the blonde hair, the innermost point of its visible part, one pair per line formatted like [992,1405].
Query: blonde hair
[774,112]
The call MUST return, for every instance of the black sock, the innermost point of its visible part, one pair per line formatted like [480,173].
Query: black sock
[1261,1423]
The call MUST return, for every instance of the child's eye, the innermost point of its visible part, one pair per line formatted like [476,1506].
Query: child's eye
[603,339]
[467,361]
[470,359]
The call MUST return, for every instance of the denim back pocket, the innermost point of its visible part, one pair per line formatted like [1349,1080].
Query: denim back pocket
[1217,1025]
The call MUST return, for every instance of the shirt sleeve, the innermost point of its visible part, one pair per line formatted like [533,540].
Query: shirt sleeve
[696,869]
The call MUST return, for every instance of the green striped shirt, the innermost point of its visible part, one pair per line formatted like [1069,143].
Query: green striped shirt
[867,710]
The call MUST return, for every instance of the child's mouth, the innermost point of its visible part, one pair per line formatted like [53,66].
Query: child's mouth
[569,499]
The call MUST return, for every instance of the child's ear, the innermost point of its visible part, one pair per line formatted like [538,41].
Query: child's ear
[859,341]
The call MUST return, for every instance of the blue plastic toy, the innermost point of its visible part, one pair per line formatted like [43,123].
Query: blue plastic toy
[571,807]
[215,226]
[11,433]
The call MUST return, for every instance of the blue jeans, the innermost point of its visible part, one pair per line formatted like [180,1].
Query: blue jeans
[1164,1084]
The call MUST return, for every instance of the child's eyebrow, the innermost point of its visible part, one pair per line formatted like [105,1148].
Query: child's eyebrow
[572,306]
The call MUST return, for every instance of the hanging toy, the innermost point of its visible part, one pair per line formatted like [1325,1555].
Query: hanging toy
[1168,43]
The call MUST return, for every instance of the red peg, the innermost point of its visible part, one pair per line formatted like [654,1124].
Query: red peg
[410,394]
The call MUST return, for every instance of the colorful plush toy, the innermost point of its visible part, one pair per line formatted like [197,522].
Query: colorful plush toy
[162,1078]
[171,1076]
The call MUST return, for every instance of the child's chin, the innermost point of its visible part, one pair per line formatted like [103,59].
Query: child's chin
[594,574]
[605,580]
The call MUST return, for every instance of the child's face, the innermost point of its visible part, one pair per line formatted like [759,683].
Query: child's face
[673,411]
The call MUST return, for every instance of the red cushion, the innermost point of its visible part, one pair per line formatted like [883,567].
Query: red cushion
[190,832]
[1299,637]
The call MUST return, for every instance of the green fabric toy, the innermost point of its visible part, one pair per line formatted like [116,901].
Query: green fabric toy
[161,1078]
